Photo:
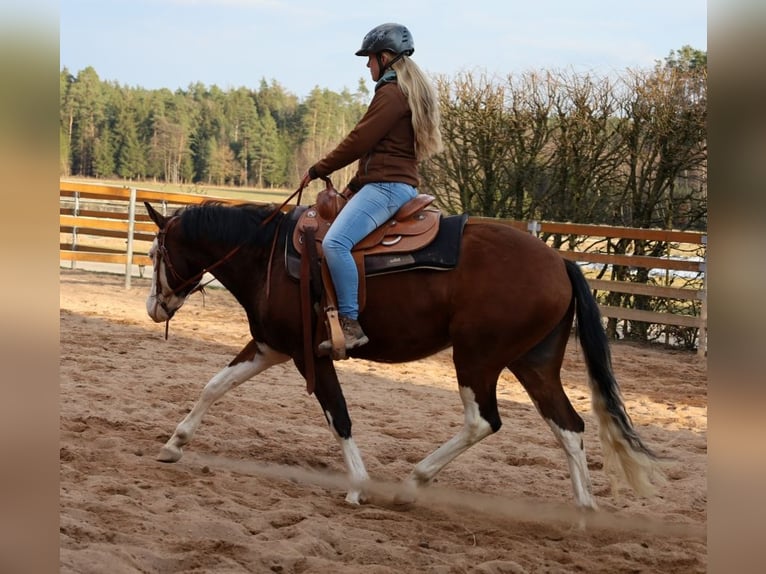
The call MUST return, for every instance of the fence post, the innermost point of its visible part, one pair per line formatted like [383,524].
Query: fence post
[702,334]
[534,228]
[131,229]
[76,212]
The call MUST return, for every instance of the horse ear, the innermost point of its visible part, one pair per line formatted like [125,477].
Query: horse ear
[156,216]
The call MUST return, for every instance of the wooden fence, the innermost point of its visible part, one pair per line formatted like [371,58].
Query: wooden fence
[109,224]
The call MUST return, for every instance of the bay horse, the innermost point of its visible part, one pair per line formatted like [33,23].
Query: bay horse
[510,303]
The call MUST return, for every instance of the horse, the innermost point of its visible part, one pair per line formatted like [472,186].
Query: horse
[510,302]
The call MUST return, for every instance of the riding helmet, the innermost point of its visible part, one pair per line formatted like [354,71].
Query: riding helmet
[387,37]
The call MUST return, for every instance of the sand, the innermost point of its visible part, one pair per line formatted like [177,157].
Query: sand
[261,486]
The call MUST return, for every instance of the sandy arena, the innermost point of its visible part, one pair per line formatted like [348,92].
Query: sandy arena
[261,486]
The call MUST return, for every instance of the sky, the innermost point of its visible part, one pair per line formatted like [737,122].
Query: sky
[303,44]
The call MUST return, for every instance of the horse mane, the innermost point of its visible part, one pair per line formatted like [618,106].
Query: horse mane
[218,222]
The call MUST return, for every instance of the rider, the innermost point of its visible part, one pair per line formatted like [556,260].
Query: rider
[399,129]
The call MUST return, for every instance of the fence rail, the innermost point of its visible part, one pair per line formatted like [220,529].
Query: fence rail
[101,224]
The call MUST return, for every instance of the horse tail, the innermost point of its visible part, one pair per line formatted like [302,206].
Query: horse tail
[625,454]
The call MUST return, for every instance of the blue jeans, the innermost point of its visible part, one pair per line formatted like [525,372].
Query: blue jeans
[368,209]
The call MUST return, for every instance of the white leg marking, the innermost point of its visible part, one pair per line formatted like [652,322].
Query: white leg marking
[578,465]
[352,457]
[226,379]
[474,429]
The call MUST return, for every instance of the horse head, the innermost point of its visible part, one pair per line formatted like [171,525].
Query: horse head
[174,278]
[207,238]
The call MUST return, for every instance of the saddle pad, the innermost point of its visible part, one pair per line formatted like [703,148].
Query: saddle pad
[441,254]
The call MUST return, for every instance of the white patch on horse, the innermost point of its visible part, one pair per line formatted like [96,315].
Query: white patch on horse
[158,295]
[352,457]
[226,379]
[475,428]
[572,444]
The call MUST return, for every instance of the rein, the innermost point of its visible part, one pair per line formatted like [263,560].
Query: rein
[298,192]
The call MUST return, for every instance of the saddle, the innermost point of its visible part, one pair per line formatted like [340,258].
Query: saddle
[414,226]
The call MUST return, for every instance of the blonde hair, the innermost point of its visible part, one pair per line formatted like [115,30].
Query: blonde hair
[424,105]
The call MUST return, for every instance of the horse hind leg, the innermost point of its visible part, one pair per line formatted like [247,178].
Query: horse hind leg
[481,419]
[539,373]
[253,359]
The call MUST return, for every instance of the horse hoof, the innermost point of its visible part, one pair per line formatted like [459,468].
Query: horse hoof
[355,498]
[168,454]
[406,495]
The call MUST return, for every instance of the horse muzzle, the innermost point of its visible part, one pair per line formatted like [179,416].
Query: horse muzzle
[159,310]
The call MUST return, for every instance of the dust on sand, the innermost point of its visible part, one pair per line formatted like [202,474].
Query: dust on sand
[261,486]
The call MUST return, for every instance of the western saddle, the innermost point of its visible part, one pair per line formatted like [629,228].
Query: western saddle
[412,227]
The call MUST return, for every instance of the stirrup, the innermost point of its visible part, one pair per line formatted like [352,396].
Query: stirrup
[336,344]
[345,334]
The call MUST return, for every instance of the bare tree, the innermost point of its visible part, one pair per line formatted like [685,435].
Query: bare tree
[471,174]
[663,131]
[532,97]
[586,151]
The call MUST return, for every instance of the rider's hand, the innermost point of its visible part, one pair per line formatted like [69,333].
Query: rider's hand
[306,180]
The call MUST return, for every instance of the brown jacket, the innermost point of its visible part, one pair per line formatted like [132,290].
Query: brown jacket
[383,141]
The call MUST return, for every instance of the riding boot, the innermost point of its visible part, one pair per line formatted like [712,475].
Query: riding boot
[352,332]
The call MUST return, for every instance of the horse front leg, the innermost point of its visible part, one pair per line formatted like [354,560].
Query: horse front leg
[253,359]
[330,396]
